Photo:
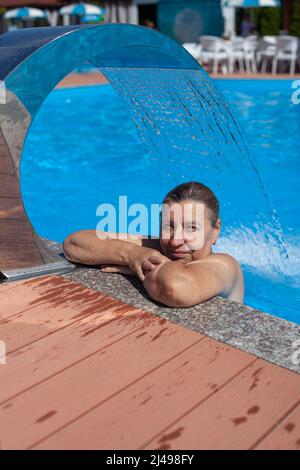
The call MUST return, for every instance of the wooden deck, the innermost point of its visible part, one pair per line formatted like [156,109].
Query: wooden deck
[97,78]
[86,371]
[17,244]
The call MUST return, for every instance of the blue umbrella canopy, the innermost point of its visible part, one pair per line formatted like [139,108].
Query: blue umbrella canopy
[81,9]
[252,3]
[24,13]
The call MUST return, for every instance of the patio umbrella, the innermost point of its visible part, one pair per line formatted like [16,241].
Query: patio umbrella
[24,13]
[81,9]
[252,3]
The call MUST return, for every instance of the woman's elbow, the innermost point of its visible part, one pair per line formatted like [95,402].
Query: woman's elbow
[70,248]
[174,294]
[67,248]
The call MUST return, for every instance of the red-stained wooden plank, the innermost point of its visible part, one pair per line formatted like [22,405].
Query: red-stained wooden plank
[45,293]
[67,346]
[18,254]
[82,79]
[5,286]
[6,166]
[11,208]
[110,368]
[17,244]
[9,186]
[38,307]
[143,409]
[4,150]
[236,416]
[62,398]
[21,229]
[285,435]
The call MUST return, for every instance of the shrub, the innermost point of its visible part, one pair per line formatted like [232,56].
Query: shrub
[295,18]
[268,21]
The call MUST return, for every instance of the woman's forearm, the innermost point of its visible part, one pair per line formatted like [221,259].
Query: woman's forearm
[86,248]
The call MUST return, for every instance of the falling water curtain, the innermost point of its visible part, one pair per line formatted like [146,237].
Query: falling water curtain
[121,11]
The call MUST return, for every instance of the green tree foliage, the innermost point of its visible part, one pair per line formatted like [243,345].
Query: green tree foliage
[295,18]
[268,21]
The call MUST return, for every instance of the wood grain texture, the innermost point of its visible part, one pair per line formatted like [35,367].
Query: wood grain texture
[11,208]
[18,255]
[285,435]
[234,418]
[17,245]
[86,371]
[130,418]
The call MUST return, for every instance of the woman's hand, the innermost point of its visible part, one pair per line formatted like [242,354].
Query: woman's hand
[117,269]
[141,260]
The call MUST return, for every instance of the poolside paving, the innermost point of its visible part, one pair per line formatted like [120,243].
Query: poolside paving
[85,370]
[76,79]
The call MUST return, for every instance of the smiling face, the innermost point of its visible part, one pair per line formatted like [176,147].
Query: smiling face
[186,232]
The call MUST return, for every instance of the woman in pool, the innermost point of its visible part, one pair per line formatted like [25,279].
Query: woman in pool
[179,269]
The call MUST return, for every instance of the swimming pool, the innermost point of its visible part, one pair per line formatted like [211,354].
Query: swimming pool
[83,149]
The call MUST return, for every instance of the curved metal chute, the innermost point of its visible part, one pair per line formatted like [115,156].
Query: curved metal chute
[32,62]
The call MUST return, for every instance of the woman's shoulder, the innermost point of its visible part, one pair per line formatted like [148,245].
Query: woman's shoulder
[225,258]
[228,269]
[221,262]
[237,289]
[225,261]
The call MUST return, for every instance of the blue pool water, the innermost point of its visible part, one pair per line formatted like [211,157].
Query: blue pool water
[83,150]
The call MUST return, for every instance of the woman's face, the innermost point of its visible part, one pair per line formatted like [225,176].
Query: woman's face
[186,233]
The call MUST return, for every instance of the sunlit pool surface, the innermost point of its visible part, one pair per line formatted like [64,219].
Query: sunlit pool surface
[83,150]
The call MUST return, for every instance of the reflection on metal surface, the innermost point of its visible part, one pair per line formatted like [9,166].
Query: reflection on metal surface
[41,270]
[32,62]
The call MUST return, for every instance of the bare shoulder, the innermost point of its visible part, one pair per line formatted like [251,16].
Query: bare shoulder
[219,259]
[237,290]
[225,259]
[229,272]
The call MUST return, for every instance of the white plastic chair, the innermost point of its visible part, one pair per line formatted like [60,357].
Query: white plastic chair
[286,50]
[215,49]
[243,51]
[194,49]
[249,49]
[236,54]
[266,49]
